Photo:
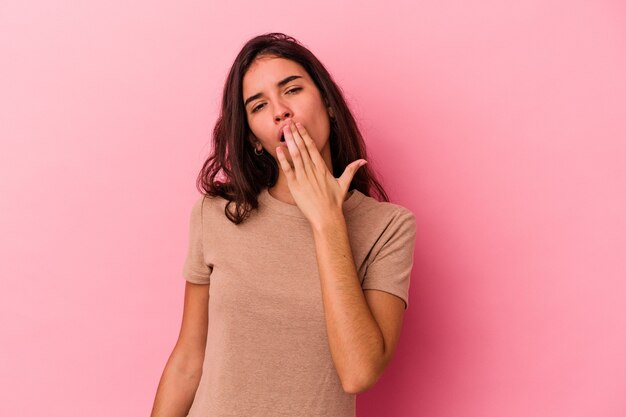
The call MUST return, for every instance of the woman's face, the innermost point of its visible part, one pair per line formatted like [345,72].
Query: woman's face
[273,105]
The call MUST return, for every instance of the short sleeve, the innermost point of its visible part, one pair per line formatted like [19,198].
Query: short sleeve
[390,268]
[195,269]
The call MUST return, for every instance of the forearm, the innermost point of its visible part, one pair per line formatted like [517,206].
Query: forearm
[177,387]
[355,339]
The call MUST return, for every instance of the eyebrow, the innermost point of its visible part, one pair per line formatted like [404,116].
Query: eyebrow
[278,84]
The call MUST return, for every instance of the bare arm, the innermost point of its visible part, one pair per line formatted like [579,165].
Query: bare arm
[363,327]
[183,370]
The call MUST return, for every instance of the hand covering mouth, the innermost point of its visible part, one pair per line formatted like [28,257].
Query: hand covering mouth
[281,132]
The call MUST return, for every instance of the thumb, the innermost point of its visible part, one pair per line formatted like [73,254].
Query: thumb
[349,172]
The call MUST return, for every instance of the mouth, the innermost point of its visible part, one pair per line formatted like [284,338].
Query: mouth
[281,133]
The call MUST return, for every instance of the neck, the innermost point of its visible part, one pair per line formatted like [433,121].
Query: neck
[281,192]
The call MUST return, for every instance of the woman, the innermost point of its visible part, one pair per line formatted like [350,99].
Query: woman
[308,275]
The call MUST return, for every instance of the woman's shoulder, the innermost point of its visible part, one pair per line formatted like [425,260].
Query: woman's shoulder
[206,205]
[378,218]
[384,209]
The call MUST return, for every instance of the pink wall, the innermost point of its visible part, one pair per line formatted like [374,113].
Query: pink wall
[500,124]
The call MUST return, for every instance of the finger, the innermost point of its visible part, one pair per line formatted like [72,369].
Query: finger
[309,167]
[314,154]
[284,164]
[296,157]
[348,174]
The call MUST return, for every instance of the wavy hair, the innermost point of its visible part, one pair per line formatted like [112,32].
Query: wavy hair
[244,174]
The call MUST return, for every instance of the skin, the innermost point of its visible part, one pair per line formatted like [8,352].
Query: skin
[362,326]
[279,105]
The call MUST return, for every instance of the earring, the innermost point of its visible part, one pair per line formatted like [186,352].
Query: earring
[258,153]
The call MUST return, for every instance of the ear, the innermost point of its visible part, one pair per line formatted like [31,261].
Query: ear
[252,139]
[330,109]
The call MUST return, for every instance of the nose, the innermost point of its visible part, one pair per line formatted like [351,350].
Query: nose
[282,113]
[285,115]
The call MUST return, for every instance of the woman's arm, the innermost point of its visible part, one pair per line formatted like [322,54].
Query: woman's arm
[183,370]
[363,329]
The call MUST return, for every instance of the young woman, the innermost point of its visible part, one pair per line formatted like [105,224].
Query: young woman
[296,278]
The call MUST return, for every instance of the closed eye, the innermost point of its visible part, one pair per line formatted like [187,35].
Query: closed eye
[293,90]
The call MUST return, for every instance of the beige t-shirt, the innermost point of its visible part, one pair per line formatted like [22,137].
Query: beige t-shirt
[267,351]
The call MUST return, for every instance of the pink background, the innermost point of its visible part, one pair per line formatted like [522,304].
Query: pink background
[501,125]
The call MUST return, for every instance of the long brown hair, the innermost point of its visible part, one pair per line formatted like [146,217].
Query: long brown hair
[245,174]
